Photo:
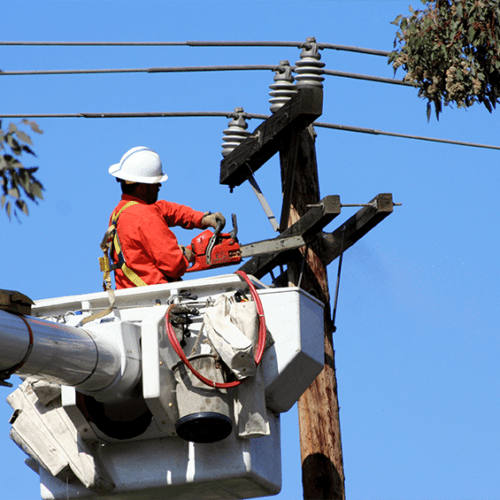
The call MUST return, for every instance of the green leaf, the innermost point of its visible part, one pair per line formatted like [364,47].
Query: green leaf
[33,125]
[24,137]
[396,21]
[14,192]
[36,189]
[14,163]
[470,33]
[22,205]
[8,209]
[16,148]
[27,149]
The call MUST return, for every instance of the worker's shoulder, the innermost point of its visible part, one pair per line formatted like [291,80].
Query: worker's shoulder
[134,210]
[127,209]
[154,214]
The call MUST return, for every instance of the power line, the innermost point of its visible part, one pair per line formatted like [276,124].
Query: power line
[350,48]
[179,69]
[229,114]
[92,44]
[146,114]
[347,48]
[372,131]
[182,69]
[371,78]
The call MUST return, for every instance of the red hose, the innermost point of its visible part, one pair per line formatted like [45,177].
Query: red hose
[260,344]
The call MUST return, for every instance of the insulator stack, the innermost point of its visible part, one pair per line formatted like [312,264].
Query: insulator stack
[236,132]
[309,69]
[284,87]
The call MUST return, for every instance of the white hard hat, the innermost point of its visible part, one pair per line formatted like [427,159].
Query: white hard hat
[139,164]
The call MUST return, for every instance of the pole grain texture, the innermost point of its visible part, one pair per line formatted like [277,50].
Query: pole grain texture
[318,408]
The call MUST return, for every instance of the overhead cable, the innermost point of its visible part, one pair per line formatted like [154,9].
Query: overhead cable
[372,131]
[179,69]
[146,114]
[357,76]
[229,114]
[347,48]
[182,69]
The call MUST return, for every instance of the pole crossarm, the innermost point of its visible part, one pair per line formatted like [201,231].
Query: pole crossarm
[356,227]
[308,226]
[259,147]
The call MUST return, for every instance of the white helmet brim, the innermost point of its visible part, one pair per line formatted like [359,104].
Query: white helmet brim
[139,164]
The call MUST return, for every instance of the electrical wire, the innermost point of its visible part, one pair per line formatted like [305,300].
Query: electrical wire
[229,114]
[372,131]
[346,48]
[179,69]
[371,78]
[146,114]
[183,69]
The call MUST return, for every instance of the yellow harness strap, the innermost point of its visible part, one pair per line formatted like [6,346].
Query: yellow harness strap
[111,238]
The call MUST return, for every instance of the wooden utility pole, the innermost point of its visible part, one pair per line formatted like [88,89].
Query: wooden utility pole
[289,131]
[321,450]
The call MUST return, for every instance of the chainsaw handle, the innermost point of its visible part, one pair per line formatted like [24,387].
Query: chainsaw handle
[218,229]
[234,233]
[213,241]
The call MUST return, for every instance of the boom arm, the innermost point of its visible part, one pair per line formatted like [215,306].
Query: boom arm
[60,353]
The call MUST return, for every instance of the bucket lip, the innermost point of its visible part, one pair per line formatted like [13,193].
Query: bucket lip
[205,415]
[191,358]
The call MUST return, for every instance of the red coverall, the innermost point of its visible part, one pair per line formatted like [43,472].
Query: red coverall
[150,248]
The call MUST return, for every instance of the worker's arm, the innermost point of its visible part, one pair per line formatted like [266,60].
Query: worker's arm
[162,247]
[180,215]
[186,217]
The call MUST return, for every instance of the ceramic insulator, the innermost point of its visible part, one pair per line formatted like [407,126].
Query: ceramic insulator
[284,87]
[309,67]
[236,132]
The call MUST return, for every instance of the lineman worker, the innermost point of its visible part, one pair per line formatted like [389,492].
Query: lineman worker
[149,250]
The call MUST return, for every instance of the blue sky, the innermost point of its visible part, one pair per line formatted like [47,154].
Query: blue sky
[417,341]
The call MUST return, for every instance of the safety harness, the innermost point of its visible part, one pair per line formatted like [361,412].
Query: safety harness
[109,242]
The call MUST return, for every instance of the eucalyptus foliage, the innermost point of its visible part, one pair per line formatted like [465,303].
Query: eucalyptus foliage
[17,182]
[451,52]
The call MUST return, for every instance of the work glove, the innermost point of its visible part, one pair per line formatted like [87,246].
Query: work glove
[211,220]
[187,253]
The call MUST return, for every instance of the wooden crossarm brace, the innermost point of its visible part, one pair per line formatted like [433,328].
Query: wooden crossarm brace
[356,227]
[255,150]
[308,226]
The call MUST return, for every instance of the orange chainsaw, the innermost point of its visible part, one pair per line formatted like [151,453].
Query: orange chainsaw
[216,249]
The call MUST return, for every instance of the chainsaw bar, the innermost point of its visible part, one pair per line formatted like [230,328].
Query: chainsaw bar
[212,250]
[266,247]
